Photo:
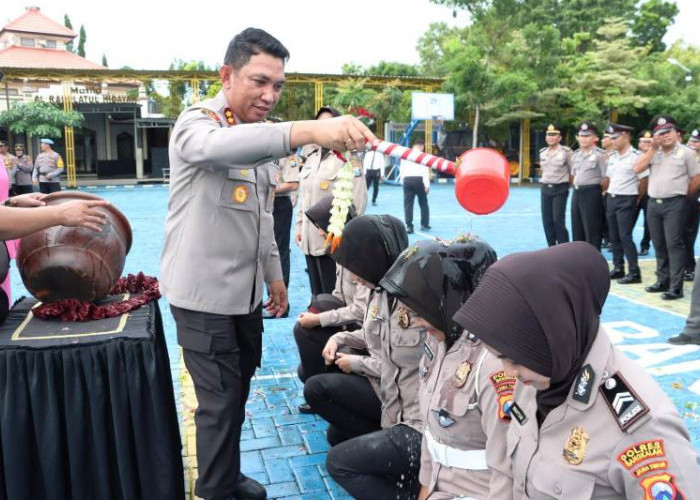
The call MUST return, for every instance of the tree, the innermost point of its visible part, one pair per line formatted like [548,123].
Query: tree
[432,45]
[104,61]
[81,41]
[69,25]
[39,119]
[651,23]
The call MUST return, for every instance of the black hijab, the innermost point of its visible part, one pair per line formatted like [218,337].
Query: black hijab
[434,278]
[370,244]
[541,309]
[320,213]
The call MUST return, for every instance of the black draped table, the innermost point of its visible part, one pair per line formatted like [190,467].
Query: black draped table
[87,410]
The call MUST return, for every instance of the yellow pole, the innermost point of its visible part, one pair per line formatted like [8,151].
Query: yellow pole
[429,136]
[69,136]
[195,90]
[318,88]
[380,128]
[613,116]
[525,148]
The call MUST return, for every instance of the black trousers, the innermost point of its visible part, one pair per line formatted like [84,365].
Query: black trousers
[380,465]
[18,189]
[587,216]
[666,220]
[690,232]
[412,187]
[310,343]
[553,198]
[372,178]
[221,353]
[49,187]
[621,212]
[321,274]
[347,402]
[282,213]
[642,207]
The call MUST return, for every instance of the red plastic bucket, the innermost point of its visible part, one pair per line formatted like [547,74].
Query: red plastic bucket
[482,180]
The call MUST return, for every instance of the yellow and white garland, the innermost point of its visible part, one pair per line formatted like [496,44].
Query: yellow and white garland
[342,200]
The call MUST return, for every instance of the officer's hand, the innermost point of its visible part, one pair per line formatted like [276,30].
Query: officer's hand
[329,351]
[81,213]
[278,298]
[28,200]
[344,361]
[35,182]
[297,236]
[309,320]
[655,142]
[343,133]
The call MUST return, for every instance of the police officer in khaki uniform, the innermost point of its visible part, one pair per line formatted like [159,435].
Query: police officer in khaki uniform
[22,169]
[643,145]
[598,426]
[624,189]
[287,180]
[318,177]
[690,228]
[674,176]
[555,162]
[588,170]
[219,243]
[48,167]
[7,158]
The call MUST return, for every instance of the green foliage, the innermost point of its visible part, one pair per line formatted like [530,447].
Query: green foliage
[69,25]
[651,23]
[81,41]
[39,119]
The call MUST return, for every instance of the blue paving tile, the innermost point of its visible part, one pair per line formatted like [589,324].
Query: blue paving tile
[260,477]
[307,460]
[260,444]
[263,427]
[279,470]
[251,462]
[316,442]
[281,490]
[309,479]
[310,496]
[284,452]
[290,435]
[247,434]
[316,425]
[296,418]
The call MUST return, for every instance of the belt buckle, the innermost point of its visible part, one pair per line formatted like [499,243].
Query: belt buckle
[441,452]
[576,187]
[550,186]
[659,201]
[612,195]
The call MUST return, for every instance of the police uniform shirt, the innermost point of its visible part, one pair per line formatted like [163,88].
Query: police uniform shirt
[218,238]
[670,174]
[351,293]
[617,435]
[48,166]
[465,399]
[588,168]
[623,179]
[555,165]
[287,171]
[22,170]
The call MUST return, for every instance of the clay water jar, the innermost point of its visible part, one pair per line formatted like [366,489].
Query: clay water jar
[73,262]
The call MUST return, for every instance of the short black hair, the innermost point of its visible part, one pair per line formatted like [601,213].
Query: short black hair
[250,42]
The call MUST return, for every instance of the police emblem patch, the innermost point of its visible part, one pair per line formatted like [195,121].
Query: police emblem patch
[404,319]
[211,114]
[462,374]
[660,487]
[324,185]
[575,447]
[661,121]
[240,194]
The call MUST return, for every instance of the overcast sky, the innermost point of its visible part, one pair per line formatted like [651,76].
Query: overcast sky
[320,34]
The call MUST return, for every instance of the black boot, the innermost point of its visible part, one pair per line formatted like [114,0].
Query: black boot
[617,273]
[247,488]
[631,278]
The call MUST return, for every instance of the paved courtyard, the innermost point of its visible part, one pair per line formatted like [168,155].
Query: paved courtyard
[286,450]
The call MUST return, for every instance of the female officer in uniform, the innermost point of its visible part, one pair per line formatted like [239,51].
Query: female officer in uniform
[349,401]
[344,309]
[317,179]
[598,426]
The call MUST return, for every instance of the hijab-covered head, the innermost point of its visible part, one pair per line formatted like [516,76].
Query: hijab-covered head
[320,213]
[434,278]
[370,245]
[541,309]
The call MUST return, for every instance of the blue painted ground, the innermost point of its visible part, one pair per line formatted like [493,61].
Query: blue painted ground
[286,450]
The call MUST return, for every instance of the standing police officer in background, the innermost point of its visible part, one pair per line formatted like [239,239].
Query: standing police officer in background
[22,169]
[588,170]
[624,189]
[219,243]
[48,166]
[555,162]
[690,229]
[674,176]
[643,145]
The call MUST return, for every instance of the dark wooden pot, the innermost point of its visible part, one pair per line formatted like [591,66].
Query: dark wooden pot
[74,263]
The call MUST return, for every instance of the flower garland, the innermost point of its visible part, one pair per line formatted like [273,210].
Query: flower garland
[342,199]
[146,288]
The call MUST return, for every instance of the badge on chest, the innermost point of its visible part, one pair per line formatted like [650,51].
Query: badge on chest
[462,374]
[575,447]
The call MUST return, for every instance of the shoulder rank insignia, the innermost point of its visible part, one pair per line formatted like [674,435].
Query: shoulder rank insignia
[623,401]
[230,117]
[404,319]
[584,384]
[462,374]
[211,114]
[575,447]
[443,417]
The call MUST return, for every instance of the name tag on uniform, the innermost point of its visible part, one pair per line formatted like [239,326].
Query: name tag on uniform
[428,351]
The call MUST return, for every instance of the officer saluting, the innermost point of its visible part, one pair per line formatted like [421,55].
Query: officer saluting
[674,176]
[219,243]
[555,161]
[624,190]
[588,170]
